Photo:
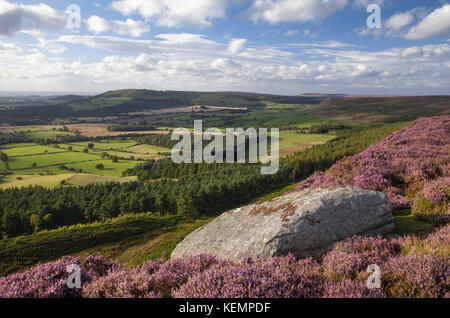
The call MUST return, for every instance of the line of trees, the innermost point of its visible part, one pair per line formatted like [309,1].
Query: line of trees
[20,137]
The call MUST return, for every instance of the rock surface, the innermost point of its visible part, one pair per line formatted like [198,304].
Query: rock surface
[305,223]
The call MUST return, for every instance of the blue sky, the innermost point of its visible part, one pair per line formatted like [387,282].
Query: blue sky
[271,46]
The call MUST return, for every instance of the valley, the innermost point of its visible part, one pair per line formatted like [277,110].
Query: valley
[107,182]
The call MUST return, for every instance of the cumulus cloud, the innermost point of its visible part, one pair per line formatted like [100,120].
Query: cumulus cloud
[194,62]
[236,45]
[365,3]
[414,51]
[16,17]
[130,27]
[9,47]
[437,23]
[50,46]
[279,11]
[400,20]
[175,13]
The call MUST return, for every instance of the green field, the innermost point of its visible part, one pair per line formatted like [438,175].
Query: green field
[33,159]
[32,149]
[47,160]
[124,149]
[19,181]
[292,141]
[148,149]
[53,181]
[9,146]
[47,134]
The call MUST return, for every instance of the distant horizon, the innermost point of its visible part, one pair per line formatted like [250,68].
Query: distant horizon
[65,93]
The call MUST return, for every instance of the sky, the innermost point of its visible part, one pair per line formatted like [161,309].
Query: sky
[267,46]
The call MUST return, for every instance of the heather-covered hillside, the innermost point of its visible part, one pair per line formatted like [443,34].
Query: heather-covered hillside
[412,166]
[410,267]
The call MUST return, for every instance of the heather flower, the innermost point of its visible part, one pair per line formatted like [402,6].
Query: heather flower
[97,266]
[176,272]
[422,271]
[437,191]
[123,283]
[410,157]
[415,276]
[42,281]
[275,278]
[437,244]
[348,259]
[351,289]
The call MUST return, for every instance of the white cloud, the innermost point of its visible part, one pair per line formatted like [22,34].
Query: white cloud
[175,13]
[184,38]
[291,33]
[9,47]
[365,3]
[279,11]
[130,27]
[193,62]
[50,46]
[236,45]
[225,65]
[398,21]
[435,24]
[16,17]
[414,51]
[328,44]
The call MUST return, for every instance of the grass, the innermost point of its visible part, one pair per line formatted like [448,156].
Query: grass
[292,142]
[31,150]
[135,251]
[11,181]
[124,149]
[275,194]
[100,103]
[24,251]
[285,106]
[9,146]
[410,224]
[54,181]
[275,117]
[47,134]
[111,169]
[148,149]
[48,159]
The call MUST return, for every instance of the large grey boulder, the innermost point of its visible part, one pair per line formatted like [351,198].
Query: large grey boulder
[305,223]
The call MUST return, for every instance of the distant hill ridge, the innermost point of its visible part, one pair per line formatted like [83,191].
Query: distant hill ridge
[137,99]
